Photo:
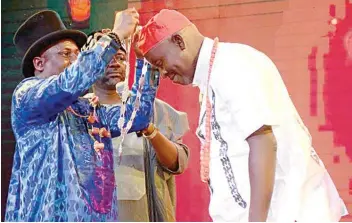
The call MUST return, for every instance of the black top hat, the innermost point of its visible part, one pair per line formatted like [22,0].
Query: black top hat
[40,31]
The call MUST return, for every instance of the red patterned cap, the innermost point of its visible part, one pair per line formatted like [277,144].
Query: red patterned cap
[160,27]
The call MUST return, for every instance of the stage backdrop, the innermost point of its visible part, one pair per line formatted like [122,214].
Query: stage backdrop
[310,41]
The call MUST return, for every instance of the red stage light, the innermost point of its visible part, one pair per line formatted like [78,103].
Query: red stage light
[79,10]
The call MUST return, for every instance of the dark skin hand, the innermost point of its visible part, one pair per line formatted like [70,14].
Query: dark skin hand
[262,162]
[166,151]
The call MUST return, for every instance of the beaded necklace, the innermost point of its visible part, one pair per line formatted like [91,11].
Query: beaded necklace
[124,128]
[205,149]
[93,131]
[92,118]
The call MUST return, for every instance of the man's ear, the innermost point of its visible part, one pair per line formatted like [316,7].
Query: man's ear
[38,63]
[178,40]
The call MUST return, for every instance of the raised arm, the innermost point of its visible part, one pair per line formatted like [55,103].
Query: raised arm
[171,153]
[38,100]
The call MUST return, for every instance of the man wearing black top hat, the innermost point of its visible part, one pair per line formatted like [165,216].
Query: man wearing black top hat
[63,164]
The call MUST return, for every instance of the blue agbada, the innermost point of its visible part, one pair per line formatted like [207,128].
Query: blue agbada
[57,175]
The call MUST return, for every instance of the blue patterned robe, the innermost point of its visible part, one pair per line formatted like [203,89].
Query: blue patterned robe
[57,175]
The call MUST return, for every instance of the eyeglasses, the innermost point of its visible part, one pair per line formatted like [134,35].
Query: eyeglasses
[68,54]
[72,56]
[121,59]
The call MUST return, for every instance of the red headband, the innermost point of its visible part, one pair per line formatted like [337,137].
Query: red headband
[161,26]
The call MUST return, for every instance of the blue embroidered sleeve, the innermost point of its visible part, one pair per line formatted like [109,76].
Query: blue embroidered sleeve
[38,100]
[144,114]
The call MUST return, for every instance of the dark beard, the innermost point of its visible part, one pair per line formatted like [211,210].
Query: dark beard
[108,83]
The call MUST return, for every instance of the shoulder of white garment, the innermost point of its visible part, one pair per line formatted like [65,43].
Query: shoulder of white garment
[235,62]
[201,72]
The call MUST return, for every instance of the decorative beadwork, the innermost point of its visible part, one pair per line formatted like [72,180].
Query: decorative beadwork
[121,122]
[93,131]
[205,149]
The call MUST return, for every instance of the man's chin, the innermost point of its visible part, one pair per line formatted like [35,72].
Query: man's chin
[114,81]
[110,85]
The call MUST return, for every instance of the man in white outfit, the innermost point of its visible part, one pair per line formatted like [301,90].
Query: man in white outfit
[257,155]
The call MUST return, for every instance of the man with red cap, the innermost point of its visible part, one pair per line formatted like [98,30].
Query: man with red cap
[257,154]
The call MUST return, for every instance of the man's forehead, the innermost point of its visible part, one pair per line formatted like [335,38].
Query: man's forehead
[62,44]
[120,52]
[66,43]
[157,53]
[159,49]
